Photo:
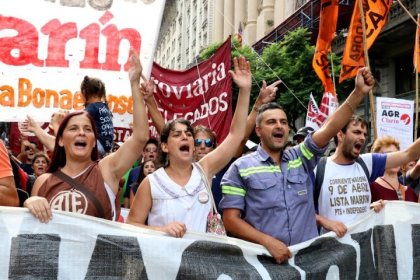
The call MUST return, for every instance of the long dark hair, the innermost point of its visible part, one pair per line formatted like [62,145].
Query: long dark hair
[59,154]
[134,186]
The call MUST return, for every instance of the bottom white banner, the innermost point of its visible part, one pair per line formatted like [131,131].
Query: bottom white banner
[72,246]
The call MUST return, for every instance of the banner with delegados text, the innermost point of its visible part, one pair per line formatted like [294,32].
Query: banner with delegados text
[44,55]
[201,94]
[73,246]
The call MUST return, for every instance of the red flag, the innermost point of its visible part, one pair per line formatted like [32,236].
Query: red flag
[327,26]
[312,114]
[201,94]
[375,14]
[315,117]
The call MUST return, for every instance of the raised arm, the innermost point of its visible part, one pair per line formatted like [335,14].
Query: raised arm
[152,107]
[116,164]
[30,125]
[364,83]
[219,157]
[402,157]
[415,172]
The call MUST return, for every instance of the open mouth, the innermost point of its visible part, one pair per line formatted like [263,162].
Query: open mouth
[358,146]
[278,136]
[80,143]
[185,148]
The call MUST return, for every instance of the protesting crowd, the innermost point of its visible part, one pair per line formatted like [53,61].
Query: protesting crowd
[277,193]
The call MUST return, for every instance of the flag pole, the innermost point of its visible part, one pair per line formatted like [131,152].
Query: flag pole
[416,105]
[371,100]
[332,73]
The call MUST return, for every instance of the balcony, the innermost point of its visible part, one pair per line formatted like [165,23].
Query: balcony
[306,16]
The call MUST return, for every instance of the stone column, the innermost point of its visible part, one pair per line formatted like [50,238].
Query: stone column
[251,23]
[265,19]
[239,14]
[218,20]
[279,12]
[228,25]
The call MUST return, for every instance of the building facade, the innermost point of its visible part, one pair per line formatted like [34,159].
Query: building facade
[191,25]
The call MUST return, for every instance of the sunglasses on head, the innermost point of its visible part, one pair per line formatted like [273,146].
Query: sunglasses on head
[208,142]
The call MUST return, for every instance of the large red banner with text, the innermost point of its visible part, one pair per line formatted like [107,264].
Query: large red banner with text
[201,94]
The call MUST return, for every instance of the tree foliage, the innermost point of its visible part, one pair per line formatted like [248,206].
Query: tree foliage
[291,61]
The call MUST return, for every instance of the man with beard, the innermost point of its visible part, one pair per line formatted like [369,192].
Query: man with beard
[268,194]
[342,190]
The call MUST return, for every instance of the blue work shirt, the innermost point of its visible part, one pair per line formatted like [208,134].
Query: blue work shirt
[276,200]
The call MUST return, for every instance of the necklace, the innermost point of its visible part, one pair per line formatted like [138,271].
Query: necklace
[397,190]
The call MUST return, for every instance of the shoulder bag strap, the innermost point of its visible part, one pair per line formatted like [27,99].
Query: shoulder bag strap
[207,184]
[360,161]
[319,179]
[83,189]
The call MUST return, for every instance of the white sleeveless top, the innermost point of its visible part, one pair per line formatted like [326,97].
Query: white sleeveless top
[190,204]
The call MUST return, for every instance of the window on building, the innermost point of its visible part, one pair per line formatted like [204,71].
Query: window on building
[405,78]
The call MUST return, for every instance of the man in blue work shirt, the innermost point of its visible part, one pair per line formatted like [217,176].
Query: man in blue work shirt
[268,195]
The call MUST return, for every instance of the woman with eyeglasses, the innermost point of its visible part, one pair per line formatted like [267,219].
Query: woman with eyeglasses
[174,198]
[388,186]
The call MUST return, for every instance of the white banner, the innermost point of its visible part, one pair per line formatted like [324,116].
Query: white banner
[73,246]
[47,47]
[394,117]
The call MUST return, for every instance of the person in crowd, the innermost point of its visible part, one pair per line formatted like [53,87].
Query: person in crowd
[94,94]
[8,193]
[267,195]
[149,153]
[174,198]
[76,180]
[27,155]
[344,191]
[146,168]
[302,133]
[388,187]
[47,139]
[40,164]
[288,145]
[206,140]
[411,175]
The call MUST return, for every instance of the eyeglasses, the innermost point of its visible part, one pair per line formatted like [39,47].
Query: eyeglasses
[208,142]
[150,150]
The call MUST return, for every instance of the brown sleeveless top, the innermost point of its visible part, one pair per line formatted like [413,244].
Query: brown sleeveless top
[62,196]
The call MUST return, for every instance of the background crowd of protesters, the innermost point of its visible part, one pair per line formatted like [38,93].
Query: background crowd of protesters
[274,193]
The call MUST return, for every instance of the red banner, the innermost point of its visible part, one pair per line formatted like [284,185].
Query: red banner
[375,14]
[327,26]
[201,94]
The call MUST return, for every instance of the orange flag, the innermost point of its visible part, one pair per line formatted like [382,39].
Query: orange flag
[375,14]
[416,56]
[327,26]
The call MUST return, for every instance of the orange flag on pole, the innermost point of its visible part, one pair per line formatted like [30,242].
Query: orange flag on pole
[375,14]
[327,26]
[416,56]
